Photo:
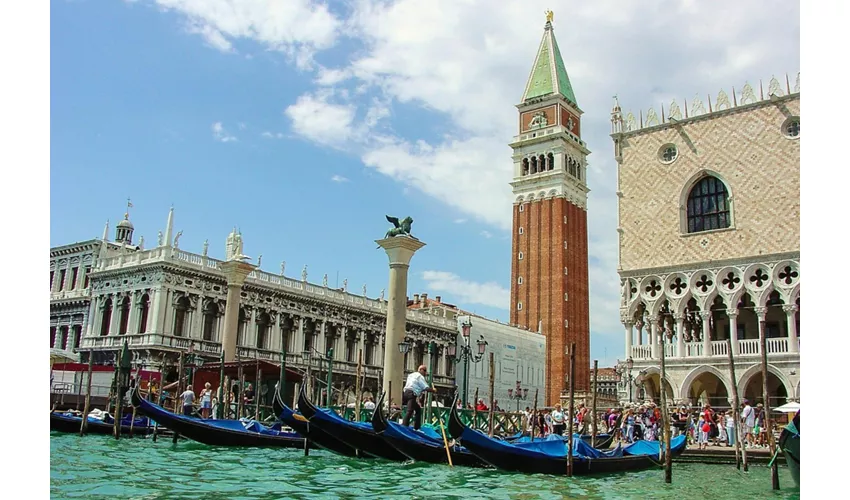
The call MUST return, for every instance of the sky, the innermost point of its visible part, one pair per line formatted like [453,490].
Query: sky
[304,123]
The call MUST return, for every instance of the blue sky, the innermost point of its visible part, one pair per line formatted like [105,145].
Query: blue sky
[305,123]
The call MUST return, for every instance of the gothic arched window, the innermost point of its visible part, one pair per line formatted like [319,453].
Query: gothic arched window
[106,319]
[180,309]
[550,165]
[144,308]
[708,206]
[533,164]
[263,323]
[524,172]
[125,316]
[210,314]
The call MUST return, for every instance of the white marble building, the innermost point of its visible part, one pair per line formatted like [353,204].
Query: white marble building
[165,300]
[709,242]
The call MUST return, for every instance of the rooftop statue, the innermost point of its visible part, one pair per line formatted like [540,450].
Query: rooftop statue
[401,228]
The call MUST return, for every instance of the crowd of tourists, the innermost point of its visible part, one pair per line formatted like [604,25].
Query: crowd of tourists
[703,427]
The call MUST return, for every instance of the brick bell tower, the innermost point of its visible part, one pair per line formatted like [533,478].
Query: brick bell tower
[549,269]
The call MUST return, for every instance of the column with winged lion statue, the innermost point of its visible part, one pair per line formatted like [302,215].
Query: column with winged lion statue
[400,246]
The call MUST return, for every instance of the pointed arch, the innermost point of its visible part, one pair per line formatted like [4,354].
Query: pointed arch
[686,192]
[697,372]
[754,370]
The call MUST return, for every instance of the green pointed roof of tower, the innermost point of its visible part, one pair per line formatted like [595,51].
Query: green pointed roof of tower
[549,75]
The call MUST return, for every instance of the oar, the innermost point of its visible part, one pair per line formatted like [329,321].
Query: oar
[446,443]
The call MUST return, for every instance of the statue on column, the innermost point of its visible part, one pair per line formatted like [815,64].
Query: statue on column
[282,267]
[364,289]
[325,280]
[259,260]
[345,285]
[382,294]
[159,239]
[206,247]
[401,228]
[142,243]
[304,273]
[177,239]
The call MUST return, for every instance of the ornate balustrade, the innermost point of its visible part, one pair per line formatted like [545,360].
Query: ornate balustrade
[718,348]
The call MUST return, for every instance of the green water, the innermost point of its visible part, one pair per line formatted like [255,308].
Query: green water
[139,468]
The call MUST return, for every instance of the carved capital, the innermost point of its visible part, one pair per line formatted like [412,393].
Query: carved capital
[732,313]
[761,312]
[790,308]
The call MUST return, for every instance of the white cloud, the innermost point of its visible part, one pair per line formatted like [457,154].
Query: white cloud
[339,178]
[295,27]
[220,134]
[467,292]
[272,135]
[242,125]
[486,234]
[459,221]
[315,117]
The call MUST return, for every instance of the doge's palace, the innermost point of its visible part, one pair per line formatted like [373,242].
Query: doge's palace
[709,243]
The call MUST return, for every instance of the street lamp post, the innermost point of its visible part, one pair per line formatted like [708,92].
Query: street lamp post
[625,370]
[466,355]
[518,394]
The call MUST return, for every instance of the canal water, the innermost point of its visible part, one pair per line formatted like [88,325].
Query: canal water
[100,466]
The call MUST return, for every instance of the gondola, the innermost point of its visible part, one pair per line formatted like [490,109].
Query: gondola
[67,422]
[789,443]
[218,432]
[423,446]
[358,435]
[603,441]
[314,435]
[549,456]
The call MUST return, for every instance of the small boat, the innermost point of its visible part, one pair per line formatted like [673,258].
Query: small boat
[358,435]
[549,456]
[424,445]
[314,435]
[789,443]
[68,422]
[218,432]
[603,441]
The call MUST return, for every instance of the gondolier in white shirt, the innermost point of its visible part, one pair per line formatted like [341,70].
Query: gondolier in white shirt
[415,386]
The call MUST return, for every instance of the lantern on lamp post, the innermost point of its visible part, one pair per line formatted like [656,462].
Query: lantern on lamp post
[466,354]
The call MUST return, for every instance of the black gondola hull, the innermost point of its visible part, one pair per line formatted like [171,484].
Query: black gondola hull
[63,423]
[363,439]
[205,432]
[542,464]
[313,434]
[417,450]
[789,443]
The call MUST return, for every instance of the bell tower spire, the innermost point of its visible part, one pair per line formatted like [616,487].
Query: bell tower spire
[549,265]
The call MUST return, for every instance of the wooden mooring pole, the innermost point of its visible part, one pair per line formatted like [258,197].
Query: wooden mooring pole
[665,413]
[358,380]
[534,415]
[84,425]
[740,451]
[116,418]
[571,413]
[774,467]
[492,394]
[593,404]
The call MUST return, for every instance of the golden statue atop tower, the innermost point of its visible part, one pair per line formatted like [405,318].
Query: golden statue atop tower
[549,16]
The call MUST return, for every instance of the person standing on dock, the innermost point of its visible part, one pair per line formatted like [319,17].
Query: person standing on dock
[188,400]
[558,421]
[206,400]
[415,386]
[748,416]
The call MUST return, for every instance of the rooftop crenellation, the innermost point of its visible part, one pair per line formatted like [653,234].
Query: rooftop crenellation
[697,107]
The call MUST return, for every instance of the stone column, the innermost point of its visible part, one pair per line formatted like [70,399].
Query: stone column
[133,312]
[81,276]
[639,332]
[154,314]
[115,316]
[733,330]
[653,337]
[761,313]
[400,250]
[236,272]
[706,332]
[790,314]
[251,329]
[628,338]
[197,319]
[89,331]
[680,335]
